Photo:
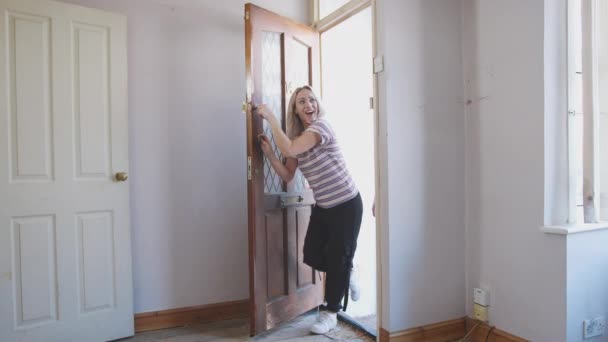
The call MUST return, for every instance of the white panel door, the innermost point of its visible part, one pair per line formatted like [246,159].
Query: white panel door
[65,250]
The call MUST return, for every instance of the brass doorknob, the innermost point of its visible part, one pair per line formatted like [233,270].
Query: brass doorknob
[121,176]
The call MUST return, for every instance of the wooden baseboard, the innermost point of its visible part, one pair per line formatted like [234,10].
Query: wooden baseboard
[438,332]
[450,331]
[480,334]
[195,314]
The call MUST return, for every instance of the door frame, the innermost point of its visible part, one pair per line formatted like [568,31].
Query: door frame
[322,25]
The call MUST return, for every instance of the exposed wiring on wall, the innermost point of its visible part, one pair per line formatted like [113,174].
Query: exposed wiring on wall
[489,332]
[469,333]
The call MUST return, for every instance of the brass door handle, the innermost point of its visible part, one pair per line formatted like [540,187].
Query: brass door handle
[247,105]
[121,176]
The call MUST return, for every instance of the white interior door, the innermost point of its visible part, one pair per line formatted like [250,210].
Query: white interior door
[65,251]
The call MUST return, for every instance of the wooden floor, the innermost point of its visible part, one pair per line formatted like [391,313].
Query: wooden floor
[238,330]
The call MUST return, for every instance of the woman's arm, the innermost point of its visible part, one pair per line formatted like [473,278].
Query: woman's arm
[288,147]
[285,171]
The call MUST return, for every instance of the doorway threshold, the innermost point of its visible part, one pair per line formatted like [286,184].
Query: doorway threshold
[346,318]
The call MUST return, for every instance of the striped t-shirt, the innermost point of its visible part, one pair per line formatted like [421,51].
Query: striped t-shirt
[325,169]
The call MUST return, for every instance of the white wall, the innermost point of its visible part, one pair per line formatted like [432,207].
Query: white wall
[187,147]
[602,42]
[422,153]
[587,281]
[523,268]
[587,255]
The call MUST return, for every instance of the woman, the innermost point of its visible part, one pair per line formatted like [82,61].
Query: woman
[310,145]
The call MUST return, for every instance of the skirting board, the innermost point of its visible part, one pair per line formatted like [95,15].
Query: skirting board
[195,314]
[449,331]
[438,332]
[496,335]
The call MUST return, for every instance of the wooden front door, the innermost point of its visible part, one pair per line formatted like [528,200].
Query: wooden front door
[281,55]
[65,248]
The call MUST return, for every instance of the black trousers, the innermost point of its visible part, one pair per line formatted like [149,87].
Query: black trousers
[330,246]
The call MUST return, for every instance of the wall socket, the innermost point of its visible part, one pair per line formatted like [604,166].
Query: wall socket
[594,327]
[480,312]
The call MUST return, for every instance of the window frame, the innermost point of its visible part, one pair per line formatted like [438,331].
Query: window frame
[337,16]
[591,162]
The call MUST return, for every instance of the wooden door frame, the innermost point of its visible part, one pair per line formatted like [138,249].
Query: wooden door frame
[327,23]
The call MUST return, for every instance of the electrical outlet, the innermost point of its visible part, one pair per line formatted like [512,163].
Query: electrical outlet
[594,327]
[480,312]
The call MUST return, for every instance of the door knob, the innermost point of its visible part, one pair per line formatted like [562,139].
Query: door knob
[121,176]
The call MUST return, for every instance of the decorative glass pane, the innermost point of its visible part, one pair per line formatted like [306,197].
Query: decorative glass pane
[271,83]
[300,76]
[301,68]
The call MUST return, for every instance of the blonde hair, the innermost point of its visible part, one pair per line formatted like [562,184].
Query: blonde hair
[295,127]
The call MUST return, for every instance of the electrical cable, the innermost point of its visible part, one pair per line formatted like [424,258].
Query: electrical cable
[469,333]
[489,332]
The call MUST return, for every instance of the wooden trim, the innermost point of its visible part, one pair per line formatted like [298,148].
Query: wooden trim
[384,336]
[496,335]
[251,186]
[147,321]
[438,332]
[450,331]
[314,9]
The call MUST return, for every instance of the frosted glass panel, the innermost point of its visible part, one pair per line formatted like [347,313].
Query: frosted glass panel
[300,75]
[271,96]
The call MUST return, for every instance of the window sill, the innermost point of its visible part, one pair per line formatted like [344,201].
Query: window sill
[574,228]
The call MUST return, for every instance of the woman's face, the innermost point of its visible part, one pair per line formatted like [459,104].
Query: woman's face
[307,108]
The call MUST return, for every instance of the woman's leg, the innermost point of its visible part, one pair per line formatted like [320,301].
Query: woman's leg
[315,242]
[343,225]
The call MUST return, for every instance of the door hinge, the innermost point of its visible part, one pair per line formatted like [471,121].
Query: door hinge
[248,168]
[371,103]
[246,15]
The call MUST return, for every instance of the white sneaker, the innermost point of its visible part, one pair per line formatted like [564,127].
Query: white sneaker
[353,285]
[326,322]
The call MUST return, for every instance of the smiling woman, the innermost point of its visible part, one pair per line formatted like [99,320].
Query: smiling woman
[331,240]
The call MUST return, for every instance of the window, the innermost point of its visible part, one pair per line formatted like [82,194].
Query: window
[588,110]
[329,13]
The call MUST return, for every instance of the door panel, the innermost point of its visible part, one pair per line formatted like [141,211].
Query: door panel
[280,56]
[65,249]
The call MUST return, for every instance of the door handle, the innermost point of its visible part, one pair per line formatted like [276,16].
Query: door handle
[246,106]
[291,201]
[121,176]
